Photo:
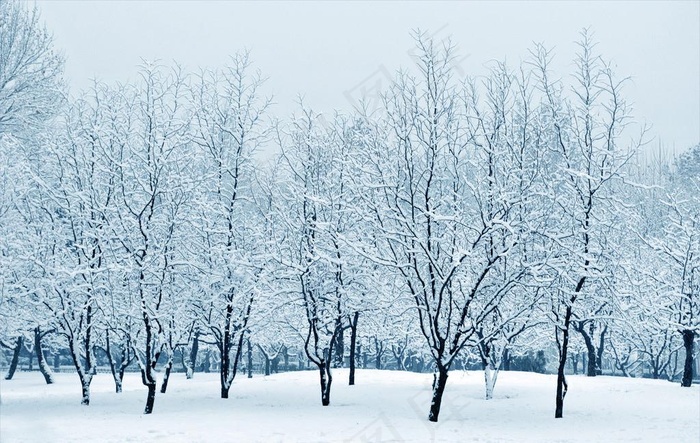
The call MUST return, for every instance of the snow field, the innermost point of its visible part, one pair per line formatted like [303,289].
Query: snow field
[384,406]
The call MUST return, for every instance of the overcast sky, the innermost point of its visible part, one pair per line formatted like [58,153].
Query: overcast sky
[331,52]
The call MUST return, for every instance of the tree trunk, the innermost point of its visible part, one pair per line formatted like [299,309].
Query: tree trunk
[193,356]
[339,345]
[114,367]
[326,380]
[15,358]
[353,344]
[151,398]
[688,341]
[250,359]
[166,376]
[561,379]
[118,377]
[439,383]
[600,351]
[379,349]
[591,367]
[490,377]
[43,366]
[85,384]
[574,362]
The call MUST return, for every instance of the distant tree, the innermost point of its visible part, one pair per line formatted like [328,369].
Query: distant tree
[31,85]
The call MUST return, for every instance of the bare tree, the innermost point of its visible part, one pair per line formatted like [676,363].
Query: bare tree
[583,130]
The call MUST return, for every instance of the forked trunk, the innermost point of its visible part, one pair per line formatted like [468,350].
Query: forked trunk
[490,377]
[326,381]
[439,383]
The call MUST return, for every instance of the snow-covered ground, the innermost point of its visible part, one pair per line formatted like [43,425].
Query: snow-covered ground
[383,406]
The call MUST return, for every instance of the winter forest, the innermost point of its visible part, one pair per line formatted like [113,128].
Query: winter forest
[520,221]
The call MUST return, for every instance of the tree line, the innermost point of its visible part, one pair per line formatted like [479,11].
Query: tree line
[476,218]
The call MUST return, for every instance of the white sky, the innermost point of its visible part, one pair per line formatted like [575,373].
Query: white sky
[330,51]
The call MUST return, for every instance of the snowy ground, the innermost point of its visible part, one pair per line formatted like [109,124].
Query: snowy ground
[383,406]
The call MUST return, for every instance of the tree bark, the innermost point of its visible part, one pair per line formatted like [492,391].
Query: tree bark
[43,366]
[151,398]
[438,389]
[326,381]
[166,376]
[353,344]
[688,341]
[561,379]
[339,346]
[15,358]
[591,367]
[600,351]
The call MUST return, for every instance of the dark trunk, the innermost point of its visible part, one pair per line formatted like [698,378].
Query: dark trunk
[166,376]
[339,345]
[326,380]
[599,352]
[15,358]
[225,351]
[591,367]
[561,379]
[43,366]
[688,340]
[353,344]
[439,382]
[151,398]
[250,360]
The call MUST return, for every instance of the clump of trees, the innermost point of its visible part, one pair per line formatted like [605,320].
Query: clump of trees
[460,224]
